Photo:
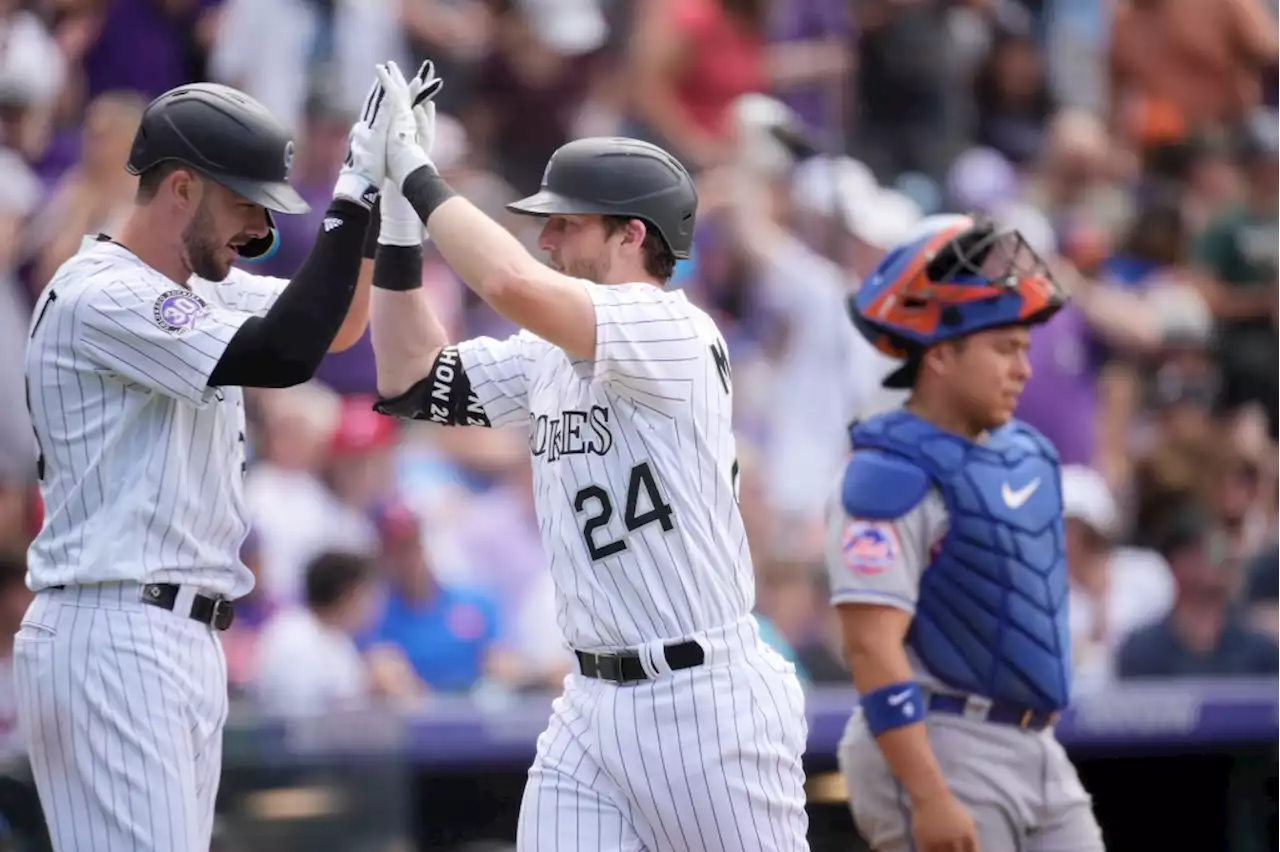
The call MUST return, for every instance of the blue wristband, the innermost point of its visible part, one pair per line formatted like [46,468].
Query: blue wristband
[894,706]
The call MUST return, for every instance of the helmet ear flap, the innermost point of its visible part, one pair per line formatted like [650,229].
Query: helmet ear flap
[264,247]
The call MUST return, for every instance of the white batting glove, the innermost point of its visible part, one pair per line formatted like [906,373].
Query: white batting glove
[400,223]
[423,89]
[365,166]
[405,153]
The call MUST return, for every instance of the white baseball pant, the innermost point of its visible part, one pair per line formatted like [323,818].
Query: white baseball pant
[122,705]
[706,759]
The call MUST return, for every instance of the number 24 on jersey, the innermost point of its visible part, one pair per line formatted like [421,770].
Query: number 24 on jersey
[642,490]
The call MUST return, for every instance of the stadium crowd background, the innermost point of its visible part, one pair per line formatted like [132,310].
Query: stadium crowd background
[1134,144]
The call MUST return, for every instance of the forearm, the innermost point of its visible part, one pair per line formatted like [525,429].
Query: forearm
[406,334]
[478,249]
[284,347]
[407,337]
[906,749]
[357,318]
[758,234]
[1117,397]
[1121,319]
[555,307]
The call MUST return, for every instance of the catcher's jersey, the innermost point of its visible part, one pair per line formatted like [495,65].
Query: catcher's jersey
[141,461]
[634,467]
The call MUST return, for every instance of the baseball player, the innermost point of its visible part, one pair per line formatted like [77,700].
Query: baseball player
[138,349]
[681,729]
[947,566]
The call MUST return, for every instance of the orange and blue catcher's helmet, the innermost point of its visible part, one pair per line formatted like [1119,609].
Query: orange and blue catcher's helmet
[956,275]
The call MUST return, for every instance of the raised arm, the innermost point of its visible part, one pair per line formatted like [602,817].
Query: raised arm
[493,263]
[407,336]
[303,319]
[420,374]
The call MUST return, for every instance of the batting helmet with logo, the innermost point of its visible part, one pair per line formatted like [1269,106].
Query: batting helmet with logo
[619,177]
[227,136]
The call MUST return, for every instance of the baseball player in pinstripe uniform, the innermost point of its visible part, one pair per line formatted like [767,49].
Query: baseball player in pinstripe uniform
[139,347]
[681,729]
[947,563]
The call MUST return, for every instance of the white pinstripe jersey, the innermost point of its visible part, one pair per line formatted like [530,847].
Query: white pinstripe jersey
[143,462]
[634,468]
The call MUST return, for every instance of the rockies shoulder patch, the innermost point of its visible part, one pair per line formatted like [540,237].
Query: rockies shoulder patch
[177,311]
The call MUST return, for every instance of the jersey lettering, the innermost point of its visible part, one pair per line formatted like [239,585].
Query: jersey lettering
[632,475]
[444,397]
[443,377]
[573,433]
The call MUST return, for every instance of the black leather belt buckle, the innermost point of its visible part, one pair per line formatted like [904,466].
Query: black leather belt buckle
[618,668]
[625,666]
[610,667]
[215,612]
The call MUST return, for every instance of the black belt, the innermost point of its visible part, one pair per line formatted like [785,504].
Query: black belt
[1000,712]
[625,666]
[215,612]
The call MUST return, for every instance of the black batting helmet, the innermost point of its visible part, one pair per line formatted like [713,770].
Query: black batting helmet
[227,136]
[619,177]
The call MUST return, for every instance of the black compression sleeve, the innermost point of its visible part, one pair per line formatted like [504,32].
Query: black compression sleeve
[284,347]
[444,396]
[398,268]
[371,230]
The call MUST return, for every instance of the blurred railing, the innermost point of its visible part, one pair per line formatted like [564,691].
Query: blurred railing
[449,775]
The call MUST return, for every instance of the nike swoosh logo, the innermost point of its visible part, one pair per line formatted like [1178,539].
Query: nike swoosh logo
[1015,499]
[899,697]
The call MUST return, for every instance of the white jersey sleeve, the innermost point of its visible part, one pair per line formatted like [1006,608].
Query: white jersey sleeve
[649,347]
[498,372]
[165,338]
[252,294]
[879,561]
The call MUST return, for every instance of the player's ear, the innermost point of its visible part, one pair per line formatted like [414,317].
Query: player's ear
[186,187]
[939,360]
[634,233]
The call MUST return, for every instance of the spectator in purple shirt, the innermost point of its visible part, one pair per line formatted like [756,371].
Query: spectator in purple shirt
[810,59]
[147,46]
[1061,400]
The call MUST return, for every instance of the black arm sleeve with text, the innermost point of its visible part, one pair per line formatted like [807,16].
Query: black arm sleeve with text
[284,347]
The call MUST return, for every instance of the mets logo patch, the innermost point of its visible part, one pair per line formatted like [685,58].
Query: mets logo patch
[177,311]
[869,547]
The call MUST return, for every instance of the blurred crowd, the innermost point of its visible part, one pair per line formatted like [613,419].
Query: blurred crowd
[1134,144]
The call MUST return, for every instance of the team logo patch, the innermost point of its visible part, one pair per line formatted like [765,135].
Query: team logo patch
[178,310]
[869,547]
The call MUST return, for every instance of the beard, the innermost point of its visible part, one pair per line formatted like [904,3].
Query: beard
[204,253]
[588,269]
